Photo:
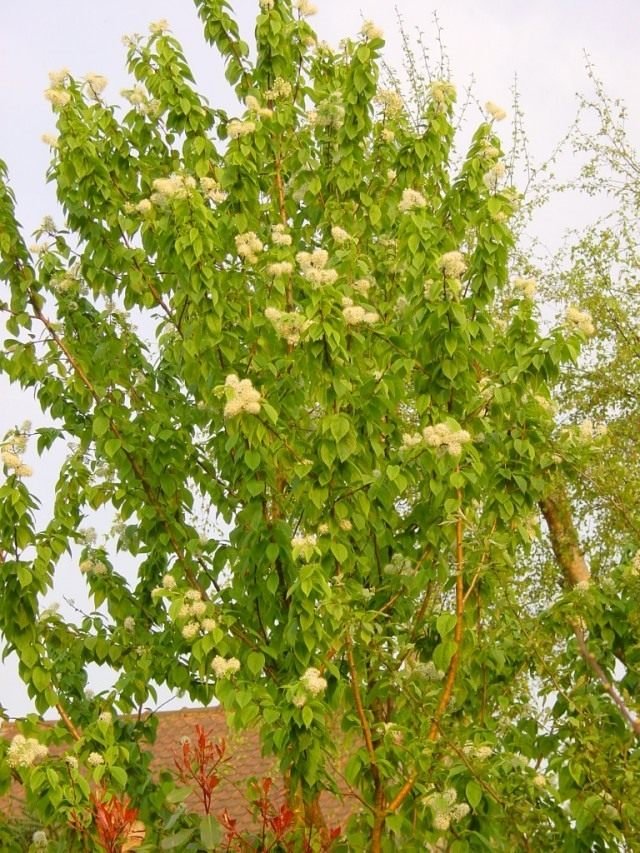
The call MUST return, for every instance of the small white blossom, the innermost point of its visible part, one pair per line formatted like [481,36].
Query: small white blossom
[241,397]
[173,187]
[224,667]
[97,83]
[340,235]
[25,752]
[362,285]
[492,178]
[71,761]
[212,190]
[313,682]
[59,78]
[248,246]
[168,582]
[580,320]
[158,27]
[496,112]
[303,546]
[39,840]
[452,264]
[446,438]
[191,630]
[356,315]
[411,200]
[208,625]
[370,31]
[305,7]
[289,325]
[539,780]
[279,237]
[129,623]
[390,101]
[94,759]
[145,206]
[460,811]
[410,440]
[280,268]
[237,128]
[50,140]
[280,90]
[527,286]
[443,93]
[312,267]
[57,97]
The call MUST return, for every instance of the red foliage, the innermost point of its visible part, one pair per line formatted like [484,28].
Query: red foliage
[116,822]
[198,764]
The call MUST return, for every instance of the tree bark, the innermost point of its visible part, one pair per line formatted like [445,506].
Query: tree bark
[556,510]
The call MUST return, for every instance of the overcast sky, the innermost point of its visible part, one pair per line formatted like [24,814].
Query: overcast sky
[541,41]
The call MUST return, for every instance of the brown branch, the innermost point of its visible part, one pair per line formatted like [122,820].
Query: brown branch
[589,658]
[68,722]
[452,671]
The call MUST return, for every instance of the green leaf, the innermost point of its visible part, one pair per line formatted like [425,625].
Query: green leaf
[210,832]
[473,793]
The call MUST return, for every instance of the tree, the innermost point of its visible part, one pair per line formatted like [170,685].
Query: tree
[337,373]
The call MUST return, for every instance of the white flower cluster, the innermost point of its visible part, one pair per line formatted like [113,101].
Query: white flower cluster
[288,324]
[280,90]
[280,268]
[496,112]
[452,264]
[136,96]
[92,567]
[390,102]
[56,94]
[159,27]
[237,128]
[444,437]
[587,430]
[312,267]
[50,140]
[481,753]
[25,751]
[39,839]
[254,106]
[340,235]
[194,609]
[249,246]
[411,200]
[279,237]
[445,808]
[362,285]
[211,188]
[173,187]
[97,83]
[303,546]
[387,135]
[580,320]
[94,759]
[493,177]
[443,93]
[313,682]
[370,31]
[305,7]
[242,397]
[356,315]
[71,761]
[224,667]
[12,449]
[526,286]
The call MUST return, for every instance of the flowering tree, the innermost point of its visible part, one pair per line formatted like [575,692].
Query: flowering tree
[295,320]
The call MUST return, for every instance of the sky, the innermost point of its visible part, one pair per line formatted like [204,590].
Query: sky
[541,42]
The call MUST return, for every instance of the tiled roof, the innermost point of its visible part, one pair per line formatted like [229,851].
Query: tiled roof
[245,762]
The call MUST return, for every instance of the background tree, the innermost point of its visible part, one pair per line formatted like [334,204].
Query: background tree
[297,319]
